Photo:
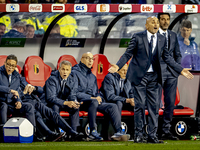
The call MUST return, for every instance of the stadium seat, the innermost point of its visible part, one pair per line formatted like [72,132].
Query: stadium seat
[66,114]
[130,113]
[100,67]
[185,111]
[36,71]
[69,58]
[85,114]
[3,59]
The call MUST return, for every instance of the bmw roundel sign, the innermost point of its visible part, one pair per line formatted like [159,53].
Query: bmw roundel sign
[124,127]
[87,129]
[181,128]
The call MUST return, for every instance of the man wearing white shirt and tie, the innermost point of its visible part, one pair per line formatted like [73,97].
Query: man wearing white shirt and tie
[169,76]
[146,49]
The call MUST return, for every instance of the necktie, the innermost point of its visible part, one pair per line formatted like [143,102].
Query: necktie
[63,85]
[166,38]
[164,34]
[151,46]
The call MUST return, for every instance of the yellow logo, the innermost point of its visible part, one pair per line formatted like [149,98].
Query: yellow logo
[36,68]
[100,68]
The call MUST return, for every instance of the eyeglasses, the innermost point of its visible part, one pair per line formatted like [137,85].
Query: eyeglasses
[88,58]
[11,66]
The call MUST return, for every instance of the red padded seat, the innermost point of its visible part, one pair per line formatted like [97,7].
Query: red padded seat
[85,114]
[66,114]
[69,58]
[100,67]
[36,71]
[186,111]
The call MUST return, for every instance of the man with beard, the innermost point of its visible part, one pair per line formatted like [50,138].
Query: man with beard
[2,29]
[169,76]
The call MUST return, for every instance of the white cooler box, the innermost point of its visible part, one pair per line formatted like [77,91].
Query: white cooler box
[18,130]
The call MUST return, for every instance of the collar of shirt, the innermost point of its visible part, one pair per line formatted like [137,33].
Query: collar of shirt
[161,32]
[149,36]
[154,39]
[121,82]
[10,75]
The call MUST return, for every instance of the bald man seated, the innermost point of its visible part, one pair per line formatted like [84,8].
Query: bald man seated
[87,92]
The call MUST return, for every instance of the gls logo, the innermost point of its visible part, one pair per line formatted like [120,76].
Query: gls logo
[80,8]
[12,7]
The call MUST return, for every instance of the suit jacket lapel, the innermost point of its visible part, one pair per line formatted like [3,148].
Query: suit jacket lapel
[169,38]
[118,87]
[158,43]
[146,43]
[126,89]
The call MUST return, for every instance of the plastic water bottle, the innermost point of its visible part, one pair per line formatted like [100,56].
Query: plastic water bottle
[195,137]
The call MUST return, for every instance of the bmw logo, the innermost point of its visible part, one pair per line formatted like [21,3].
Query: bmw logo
[181,128]
[87,129]
[124,127]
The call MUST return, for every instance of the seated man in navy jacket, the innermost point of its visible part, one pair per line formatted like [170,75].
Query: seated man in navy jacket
[10,101]
[30,94]
[117,89]
[60,93]
[87,92]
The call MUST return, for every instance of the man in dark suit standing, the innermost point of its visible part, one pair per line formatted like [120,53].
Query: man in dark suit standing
[169,76]
[144,73]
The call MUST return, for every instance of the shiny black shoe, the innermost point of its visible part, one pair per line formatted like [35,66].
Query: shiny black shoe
[154,140]
[55,136]
[168,136]
[139,139]
[77,137]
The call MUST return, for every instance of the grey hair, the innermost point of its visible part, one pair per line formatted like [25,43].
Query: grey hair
[65,62]
[19,24]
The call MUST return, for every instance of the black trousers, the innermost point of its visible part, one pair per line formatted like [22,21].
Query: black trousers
[26,110]
[146,94]
[108,109]
[169,91]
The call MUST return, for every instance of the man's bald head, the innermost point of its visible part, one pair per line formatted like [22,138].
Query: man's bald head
[87,59]
[152,24]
